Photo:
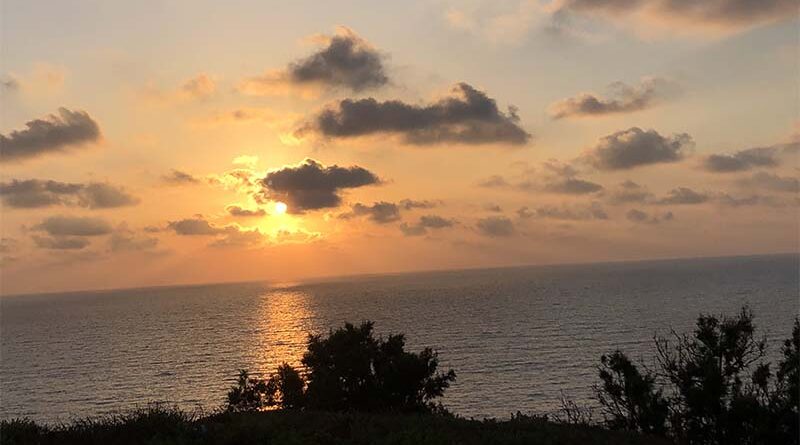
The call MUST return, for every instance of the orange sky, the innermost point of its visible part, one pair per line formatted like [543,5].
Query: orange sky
[141,148]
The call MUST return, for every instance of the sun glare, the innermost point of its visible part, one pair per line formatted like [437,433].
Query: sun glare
[280,208]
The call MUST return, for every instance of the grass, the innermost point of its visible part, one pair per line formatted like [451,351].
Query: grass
[160,426]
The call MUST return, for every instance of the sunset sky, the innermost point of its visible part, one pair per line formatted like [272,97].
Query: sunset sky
[151,143]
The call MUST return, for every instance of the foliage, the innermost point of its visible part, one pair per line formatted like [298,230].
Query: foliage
[719,389]
[629,398]
[349,370]
[353,370]
[284,427]
[251,394]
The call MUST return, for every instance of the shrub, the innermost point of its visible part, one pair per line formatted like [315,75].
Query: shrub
[353,370]
[349,370]
[720,390]
[629,399]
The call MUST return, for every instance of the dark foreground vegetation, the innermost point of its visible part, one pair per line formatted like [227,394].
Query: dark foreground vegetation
[711,387]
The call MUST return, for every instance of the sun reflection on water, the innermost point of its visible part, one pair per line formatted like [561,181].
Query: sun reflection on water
[284,320]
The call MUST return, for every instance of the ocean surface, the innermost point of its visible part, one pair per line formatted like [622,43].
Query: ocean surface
[518,338]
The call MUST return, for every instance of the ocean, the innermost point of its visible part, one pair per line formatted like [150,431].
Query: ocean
[518,338]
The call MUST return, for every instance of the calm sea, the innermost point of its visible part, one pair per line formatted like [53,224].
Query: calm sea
[517,337]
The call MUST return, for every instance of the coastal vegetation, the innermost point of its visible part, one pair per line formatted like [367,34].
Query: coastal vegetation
[712,386]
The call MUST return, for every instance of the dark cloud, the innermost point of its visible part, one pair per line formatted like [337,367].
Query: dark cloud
[177,177]
[635,147]
[9,83]
[593,211]
[380,212]
[742,160]
[49,135]
[492,208]
[100,195]
[126,240]
[572,186]
[225,236]
[747,201]
[769,181]
[345,61]
[494,181]
[556,177]
[630,192]
[715,14]
[235,210]
[195,226]
[74,226]
[684,195]
[35,193]
[466,116]
[496,226]
[311,185]
[624,99]
[641,217]
[424,223]
[60,242]
[410,204]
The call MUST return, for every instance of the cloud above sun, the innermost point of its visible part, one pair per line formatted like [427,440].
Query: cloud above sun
[465,116]
[343,61]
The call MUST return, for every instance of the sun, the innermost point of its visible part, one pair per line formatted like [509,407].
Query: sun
[280,208]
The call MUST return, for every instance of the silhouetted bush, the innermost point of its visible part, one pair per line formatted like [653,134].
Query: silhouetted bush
[349,370]
[629,398]
[719,390]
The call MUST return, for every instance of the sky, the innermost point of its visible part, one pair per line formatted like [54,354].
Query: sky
[154,143]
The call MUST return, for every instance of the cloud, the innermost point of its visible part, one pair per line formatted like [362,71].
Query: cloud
[495,21]
[742,160]
[199,87]
[60,242]
[556,177]
[51,134]
[494,181]
[195,226]
[592,212]
[684,195]
[426,222]
[178,177]
[344,61]
[746,201]
[630,192]
[8,249]
[247,161]
[624,99]
[36,193]
[641,217]
[769,181]
[9,83]
[99,195]
[295,236]
[496,226]
[708,15]
[74,226]
[236,236]
[126,240]
[635,147]
[466,116]
[310,185]
[572,186]
[235,210]
[380,212]
[410,204]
